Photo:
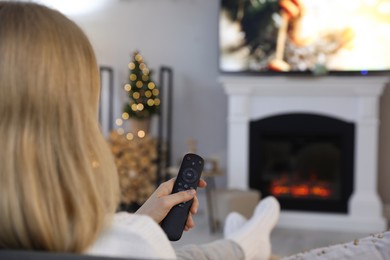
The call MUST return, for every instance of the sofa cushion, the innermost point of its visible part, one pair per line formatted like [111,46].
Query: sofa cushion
[41,255]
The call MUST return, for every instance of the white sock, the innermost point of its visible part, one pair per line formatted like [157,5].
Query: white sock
[233,222]
[254,235]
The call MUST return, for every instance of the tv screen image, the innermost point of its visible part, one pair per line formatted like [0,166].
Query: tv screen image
[304,36]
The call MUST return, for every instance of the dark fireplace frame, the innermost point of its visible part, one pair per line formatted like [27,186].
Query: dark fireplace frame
[311,125]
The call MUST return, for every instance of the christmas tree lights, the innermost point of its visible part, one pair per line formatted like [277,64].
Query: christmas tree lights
[142,91]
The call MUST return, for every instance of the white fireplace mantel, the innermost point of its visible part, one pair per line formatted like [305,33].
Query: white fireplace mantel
[353,99]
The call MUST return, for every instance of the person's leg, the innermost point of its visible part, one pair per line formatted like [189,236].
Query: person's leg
[374,247]
[254,235]
[233,222]
[243,239]
[220,249]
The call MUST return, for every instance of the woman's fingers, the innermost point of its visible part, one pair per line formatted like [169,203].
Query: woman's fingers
[194,206]
[166,187]
[202,183]
[177,198]
[190,223]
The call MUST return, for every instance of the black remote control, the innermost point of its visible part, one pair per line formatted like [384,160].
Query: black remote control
[188,178]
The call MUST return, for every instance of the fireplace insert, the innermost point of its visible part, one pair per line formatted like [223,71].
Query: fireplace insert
[305,160]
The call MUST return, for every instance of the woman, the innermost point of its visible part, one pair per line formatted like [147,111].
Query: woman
[59,187]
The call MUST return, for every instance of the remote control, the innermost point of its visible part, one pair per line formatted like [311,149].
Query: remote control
[188,178]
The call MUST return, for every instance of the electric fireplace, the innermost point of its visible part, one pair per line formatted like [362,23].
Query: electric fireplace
[316,147]
[304,160]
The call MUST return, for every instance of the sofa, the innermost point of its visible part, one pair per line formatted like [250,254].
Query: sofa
[6,254]
[373,247]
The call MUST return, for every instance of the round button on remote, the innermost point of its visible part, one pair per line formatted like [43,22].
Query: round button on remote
[190,175]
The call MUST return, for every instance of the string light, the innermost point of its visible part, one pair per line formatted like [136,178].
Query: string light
[157,101]
[134,107]
[148,93]
[142,66]
[140,107]
[131,65]
[133,77]
[150,102]
[139,84]
[119,122]
[145,77]
[136,95]
[120,131]
[155,92]
[129,136]
[151,85]
[125,115]
[138,57]
[141,133]
[127,87]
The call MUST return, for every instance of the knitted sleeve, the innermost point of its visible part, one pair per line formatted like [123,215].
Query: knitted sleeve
[133,236]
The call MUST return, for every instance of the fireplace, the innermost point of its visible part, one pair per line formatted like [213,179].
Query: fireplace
[304,160]
[346,185]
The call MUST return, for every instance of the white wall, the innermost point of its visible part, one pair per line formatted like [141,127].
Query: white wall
[183,34]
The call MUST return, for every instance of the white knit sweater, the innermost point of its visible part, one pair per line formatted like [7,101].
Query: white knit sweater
[133,236]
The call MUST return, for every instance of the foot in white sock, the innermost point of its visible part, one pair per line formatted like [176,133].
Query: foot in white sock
[234,221]
[254,235]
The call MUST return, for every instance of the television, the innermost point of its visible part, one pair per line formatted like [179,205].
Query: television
[304,36]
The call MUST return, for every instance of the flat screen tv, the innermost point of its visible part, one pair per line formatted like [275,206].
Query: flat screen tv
[304,36]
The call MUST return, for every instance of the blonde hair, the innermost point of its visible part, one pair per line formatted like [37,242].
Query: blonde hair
[58,181]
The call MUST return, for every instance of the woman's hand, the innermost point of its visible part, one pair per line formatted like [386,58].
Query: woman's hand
[161,202]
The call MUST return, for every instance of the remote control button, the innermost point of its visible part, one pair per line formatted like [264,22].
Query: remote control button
[186,186]
[190,175]
[180,184]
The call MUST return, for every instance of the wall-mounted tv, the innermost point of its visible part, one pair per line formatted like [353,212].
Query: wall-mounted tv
[304,36]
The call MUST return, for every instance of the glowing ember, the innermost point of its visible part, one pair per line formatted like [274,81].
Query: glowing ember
[300,189]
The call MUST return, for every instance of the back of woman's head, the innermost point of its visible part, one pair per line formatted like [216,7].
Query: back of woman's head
[58,179]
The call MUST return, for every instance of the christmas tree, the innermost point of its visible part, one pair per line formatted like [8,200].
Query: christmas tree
[142,91]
